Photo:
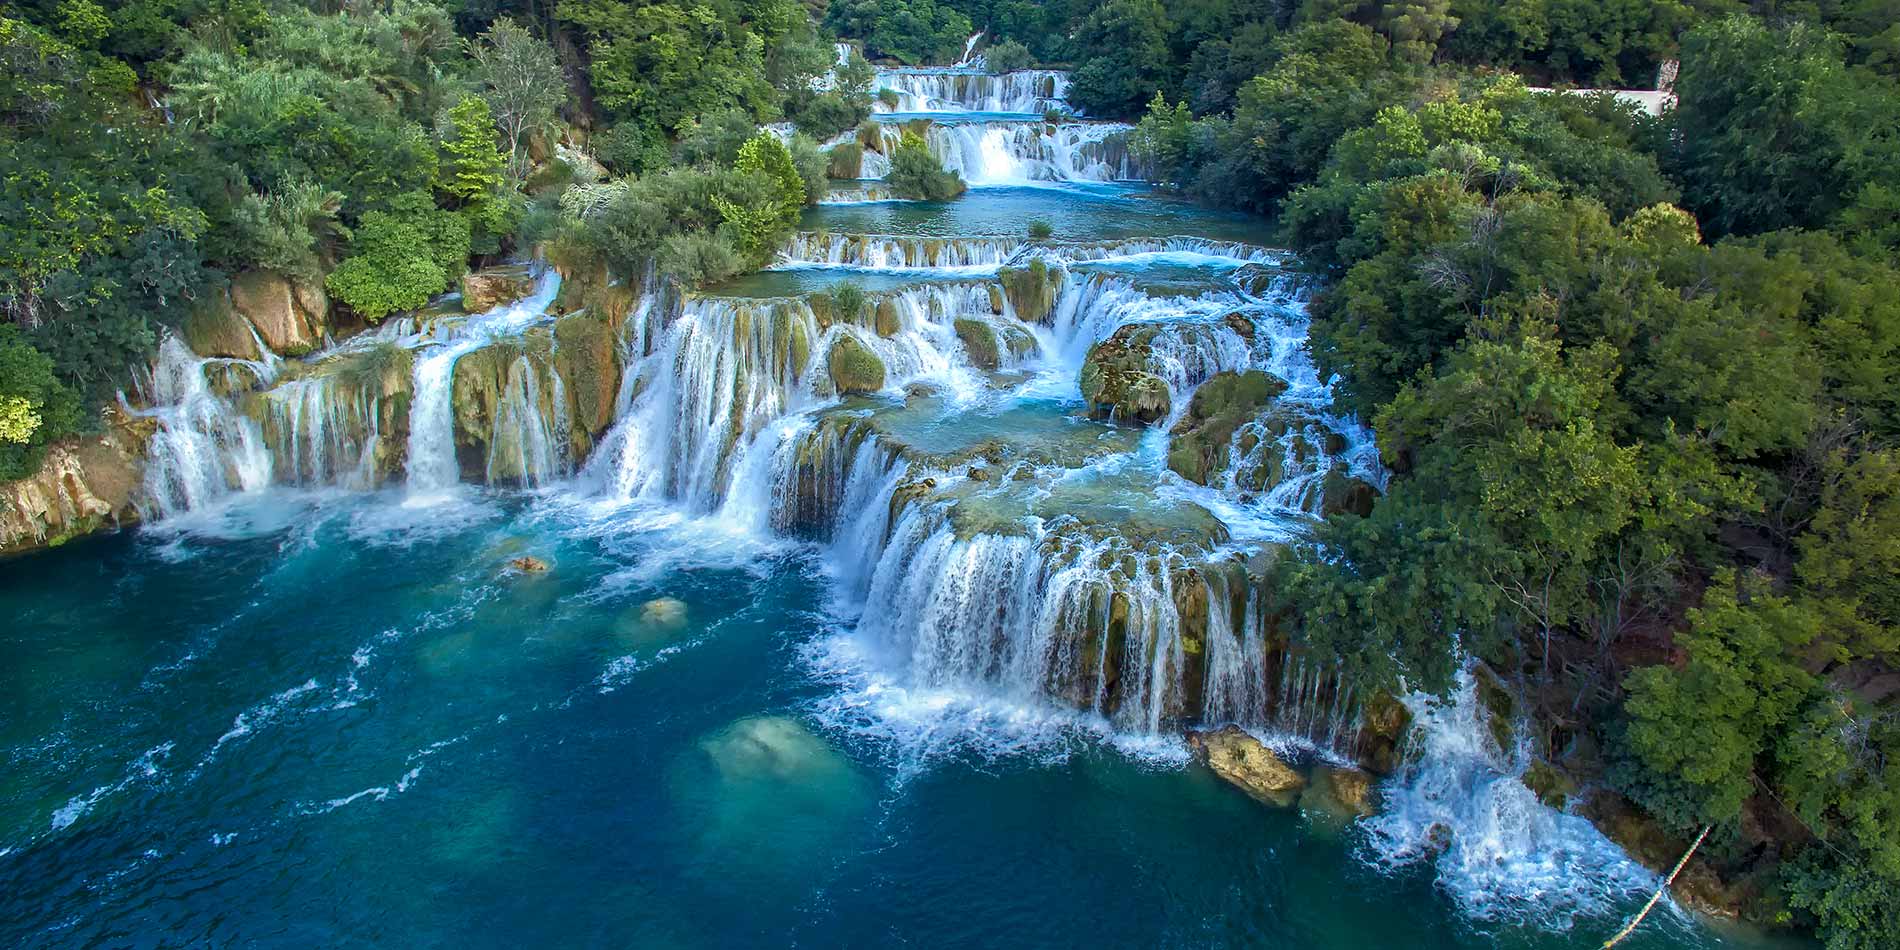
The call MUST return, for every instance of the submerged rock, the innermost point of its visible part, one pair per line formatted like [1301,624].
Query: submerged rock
[1247,763]
[854,368]
[528,564]
[669,612]
[1343,793]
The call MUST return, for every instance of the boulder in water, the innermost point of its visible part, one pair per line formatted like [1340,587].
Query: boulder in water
[1116,381]
[1246,762]
[979,342]
[1341,793]
[888,322]
[528,564]
[1030,290]
[1224,403]
[668,612]
[491,287]
[854,368]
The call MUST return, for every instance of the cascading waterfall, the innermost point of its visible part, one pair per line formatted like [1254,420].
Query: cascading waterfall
[966,89]
[203,448]
[885,251]
[1460,802]
[433,469]
[986,151]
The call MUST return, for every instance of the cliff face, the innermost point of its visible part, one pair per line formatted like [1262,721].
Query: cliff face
[85,485]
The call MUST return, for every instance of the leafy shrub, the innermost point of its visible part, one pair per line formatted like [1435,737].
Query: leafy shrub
[916,173]
[1040,229]
[401,257]
[1008,56]
[847,298]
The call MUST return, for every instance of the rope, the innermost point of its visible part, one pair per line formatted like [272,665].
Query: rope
[1653,898]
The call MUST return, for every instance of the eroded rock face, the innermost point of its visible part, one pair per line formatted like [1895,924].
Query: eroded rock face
[291,317]
[84,485]
[1248,764]
[215,328]
[854,368]
[1199,441]
[486,289]
[1116,381]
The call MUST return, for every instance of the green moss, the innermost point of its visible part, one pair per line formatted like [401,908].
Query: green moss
[854,368]
[979,342]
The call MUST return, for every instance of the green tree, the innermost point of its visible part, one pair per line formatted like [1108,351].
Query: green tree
[916,172]
[1123,56]
[401,257]
[522,82]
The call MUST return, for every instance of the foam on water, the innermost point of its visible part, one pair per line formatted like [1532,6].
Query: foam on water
[1505,855]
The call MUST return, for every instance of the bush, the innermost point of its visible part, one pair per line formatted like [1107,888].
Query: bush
[1040,229]
[35,407]
[889,97]
[695,258]
[829,113]
[401,257]
[813,166]
[917,174]
[1007,56]
[631,148]
[847,299]
[846,160]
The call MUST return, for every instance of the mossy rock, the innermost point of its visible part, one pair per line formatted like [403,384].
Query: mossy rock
[979,342]
[1217,410]
[589,364]
[888,322]
[845,160]
[854,368]
[1549,784]
[1346,494]
[1116,382]
[1031,289]
[215,328]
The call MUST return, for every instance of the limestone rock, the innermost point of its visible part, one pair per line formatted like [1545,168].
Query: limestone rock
[84,485]
[1341,792]
[291,318]
[1342,494]
[854,368]
[979,341]
[1245,762]
[888,323]
[1198,443]
[1031,289]
[669,612]
[215,328]
[1116,381]
[491,287]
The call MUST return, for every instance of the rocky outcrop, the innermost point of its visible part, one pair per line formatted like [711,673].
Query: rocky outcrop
[491,287]
[1341,493]
[291,316]
[1341,792]
[1248,764]
[1031,290]
[854,368]
[1199,442]
[84,485]
[215,328]
[1117,383]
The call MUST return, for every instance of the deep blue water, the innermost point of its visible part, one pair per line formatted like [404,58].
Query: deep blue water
[333,720]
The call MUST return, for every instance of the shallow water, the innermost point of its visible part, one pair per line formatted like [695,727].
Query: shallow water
[352,726]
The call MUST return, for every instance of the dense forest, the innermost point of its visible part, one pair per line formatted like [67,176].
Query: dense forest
[1638,378]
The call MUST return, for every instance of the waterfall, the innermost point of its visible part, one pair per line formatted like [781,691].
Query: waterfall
[203,449]
[1014,152]
[889,252]
[952,89]
[433,469]
[1460,801]
[530,439]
